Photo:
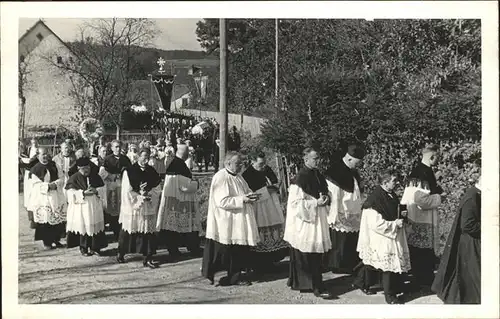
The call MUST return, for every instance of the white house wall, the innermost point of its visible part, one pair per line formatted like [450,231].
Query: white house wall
[47,91]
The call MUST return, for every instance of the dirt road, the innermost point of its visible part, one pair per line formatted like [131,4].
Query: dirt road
[64,276]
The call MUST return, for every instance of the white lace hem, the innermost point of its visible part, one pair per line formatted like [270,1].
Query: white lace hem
[387,261]
[233,241]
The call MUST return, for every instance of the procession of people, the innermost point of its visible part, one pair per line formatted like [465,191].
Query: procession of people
[147,197]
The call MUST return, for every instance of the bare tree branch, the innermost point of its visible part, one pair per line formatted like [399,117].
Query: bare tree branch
[104,66]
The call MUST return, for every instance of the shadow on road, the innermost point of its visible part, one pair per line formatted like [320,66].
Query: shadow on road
[278,273]
[126,291]
[340,285]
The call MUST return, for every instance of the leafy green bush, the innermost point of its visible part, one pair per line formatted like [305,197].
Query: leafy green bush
[457,169]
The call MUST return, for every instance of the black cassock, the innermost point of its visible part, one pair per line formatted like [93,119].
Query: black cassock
[256,180]
[74,169]
[173,240]
[305,272]
[98,241]
[343,256]
[423,260]
[115,165]
[143,243]
[458,279]
[46,232]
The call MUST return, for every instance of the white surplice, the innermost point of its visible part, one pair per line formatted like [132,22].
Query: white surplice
[136,214]
[306,227]
[423,217]
[178,210]
[85,213]
[230,220]
[345,208]
[382,244]
[48,206]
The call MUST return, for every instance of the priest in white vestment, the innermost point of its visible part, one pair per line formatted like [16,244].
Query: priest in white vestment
[114,164]
[269,215]
[85,225]
[344,185]
[64,161]
[231,225]
[139,208]
[382,242]
[179,219]
[306,227]
[47,201]
[422,196]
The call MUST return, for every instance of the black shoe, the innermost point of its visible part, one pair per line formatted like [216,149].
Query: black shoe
[366,291]
[151,264]
[96,252]
[85,252]
[211,280]
[323,294]
[392,300]
[120,259]
[58,244]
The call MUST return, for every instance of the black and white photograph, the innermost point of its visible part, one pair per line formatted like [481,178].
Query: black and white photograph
[264,159]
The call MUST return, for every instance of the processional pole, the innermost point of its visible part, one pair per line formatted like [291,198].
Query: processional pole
[223,92]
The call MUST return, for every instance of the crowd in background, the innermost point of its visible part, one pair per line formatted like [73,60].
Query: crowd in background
[203,144]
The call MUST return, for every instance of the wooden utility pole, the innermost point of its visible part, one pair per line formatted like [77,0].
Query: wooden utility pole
[223,92]
[276,65]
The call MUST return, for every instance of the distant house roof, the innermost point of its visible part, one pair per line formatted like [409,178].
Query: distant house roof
[40,22]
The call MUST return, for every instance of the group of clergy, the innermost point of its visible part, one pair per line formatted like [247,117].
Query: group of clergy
[73,194]
[331,225]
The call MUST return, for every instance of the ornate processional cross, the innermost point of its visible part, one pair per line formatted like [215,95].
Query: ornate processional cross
[161,62]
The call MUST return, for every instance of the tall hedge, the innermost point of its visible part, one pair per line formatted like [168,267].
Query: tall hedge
[390,85]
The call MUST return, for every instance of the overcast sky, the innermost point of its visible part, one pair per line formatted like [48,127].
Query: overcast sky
[176,34]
